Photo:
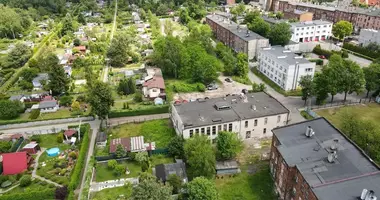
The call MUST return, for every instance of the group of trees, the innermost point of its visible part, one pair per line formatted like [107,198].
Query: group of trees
[233,66]
[278,34]
[127,86]
[10,109]
[17,57]
[340,76]
[13,22]
[120,52]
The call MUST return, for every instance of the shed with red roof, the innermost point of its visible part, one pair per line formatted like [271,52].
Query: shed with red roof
[15,163]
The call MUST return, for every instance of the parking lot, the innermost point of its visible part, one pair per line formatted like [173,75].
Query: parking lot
[224,88]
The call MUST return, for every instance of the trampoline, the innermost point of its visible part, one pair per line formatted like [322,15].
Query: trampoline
[53,151]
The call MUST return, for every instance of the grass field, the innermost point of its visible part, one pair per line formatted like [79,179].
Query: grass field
[105,174]
[370,112]
[113,193]
[35,185]
[159,131]
[244,186]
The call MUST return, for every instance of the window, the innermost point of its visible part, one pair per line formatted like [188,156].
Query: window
[247,134]
[154,90]
[265,130]
[213,130]
[246,124]
[197,130]
[191,133]
[203,131]
[278,119]
[224,127]
[255,123]
[208,130]
[230,127]
[219,128]
[308,69]
[214,140]
[265,121]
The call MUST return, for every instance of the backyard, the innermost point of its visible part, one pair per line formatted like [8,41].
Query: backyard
[113,193]
[159,131]
[370,112]
[103,173]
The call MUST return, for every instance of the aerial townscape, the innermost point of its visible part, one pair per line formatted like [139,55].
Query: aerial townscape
[189,100]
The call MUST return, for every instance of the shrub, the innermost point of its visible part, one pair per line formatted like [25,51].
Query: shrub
[34,114]
[65,100]
[35,138]
[188,87]
[60,137]
[138,97]
[73,155]
[362,50]
[112,164]
[147,111]
[317,61]
[38,193]
[10,109]
[25,180]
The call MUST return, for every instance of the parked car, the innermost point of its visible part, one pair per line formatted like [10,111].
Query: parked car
[228,80]
[212,86]
[322,57]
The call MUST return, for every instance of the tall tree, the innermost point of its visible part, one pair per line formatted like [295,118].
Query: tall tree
[18,56]
[67,25]
[118,51]
[321,89]
[58,80]
[372,77]
[251,16]
[226,55]
[342,29]
[259,26]
[149,188]
[280,34]
[100,99]
[176,182]
[200,156]
[10,109]
[352,78]
[228,145]
[333,74]
[175,147]
[242,65]
[307,86]
[202,188]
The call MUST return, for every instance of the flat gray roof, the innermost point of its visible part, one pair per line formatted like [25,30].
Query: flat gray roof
[203,113]
[352,171]
[311,23]
[233,27]
[284,55]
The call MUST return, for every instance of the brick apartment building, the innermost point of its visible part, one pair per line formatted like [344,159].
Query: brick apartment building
[300,15]
[359,17]
[314,160]
[236,36]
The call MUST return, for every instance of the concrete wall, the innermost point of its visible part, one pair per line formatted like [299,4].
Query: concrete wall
[46,122]
[295,72]
[369,35]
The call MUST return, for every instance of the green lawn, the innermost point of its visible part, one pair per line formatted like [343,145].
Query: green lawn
[370,112]
[105,174]
[244,186]
[159,131]
[35,185]
[113,193]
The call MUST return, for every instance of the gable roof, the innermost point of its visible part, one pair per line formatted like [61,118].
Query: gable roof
[163,171]
[69,132]
[101,137]
[131,144]
[47,104]
[14,163]
[155,82]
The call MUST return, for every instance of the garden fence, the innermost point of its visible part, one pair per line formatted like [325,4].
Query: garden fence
[342,103]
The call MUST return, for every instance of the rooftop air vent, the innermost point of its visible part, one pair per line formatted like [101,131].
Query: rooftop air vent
[368,195]
[334,145]
[217,120]
[253,107]
[201,100]
[332,157]
[309,131]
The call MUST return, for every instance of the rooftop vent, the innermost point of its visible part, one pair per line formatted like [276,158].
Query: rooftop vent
[201,118]
[217,120]
[298,57]
[368,195]
[334,145]
[332,157]
[253,107]
[201,100]
[309,131]
[281,56]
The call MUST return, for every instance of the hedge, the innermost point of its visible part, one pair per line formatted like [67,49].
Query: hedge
[148,111]
[317,61]
[362,50]
[80,165]
[47,194]
[319,51]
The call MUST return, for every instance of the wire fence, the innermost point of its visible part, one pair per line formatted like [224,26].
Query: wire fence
[342,103]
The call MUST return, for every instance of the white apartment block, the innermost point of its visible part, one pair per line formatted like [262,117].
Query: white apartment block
[284,67]
[369,36]
[310,31]
[251,116]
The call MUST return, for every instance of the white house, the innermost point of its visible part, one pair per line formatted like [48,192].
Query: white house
[369,36]
[309,31]
[37,81]
[284,67]
[251,116]
[47,106]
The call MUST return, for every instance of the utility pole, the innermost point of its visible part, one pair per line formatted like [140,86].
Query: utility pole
[80,123]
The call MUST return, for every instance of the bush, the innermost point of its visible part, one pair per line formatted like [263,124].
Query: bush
[184,87]
[243,80]
[38,193]
[147,111]
[319,51]
[25,180]
[138,97]
[34,114]
[65,100]
[60,137]
[10,109]
[112,164]
[362,50]
[317,61]
[73,155]
[35,138]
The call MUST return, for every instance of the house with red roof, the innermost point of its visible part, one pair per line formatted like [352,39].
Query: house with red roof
[154,84]
[81,49]
[15,163]
[69,133]
[132,144]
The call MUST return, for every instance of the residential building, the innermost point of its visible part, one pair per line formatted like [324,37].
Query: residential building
[154,84]
[314,160]
[31,148]
[374,3]
[311,31]
[236,36]
[47,106]
[15,163]
[132,144]
[251,116]
[81,49]
[368,36]
[300,15]
[227,167]
[69,133]
[228,2]
[163,171]
[101,139]
[360,18]
[39,79]
[284,67]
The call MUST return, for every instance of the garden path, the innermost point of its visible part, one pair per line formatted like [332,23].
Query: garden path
[34,173]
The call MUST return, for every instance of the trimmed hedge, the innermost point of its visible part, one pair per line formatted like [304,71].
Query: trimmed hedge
[31,195]
[362,50]
[149,111]
[319,51]
[75,177]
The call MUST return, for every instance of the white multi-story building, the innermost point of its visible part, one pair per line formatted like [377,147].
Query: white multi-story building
[284,67]
[369,36]
[251,116]
[311,30]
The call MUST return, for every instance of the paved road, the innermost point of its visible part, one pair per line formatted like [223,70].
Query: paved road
[124,120]
[97,186]
[34,173]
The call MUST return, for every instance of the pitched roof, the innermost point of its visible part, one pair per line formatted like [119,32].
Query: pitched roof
[155,82]
[47,104]
[16,136]
[80,48]
[101,137]
[14,163]
[30,145]
[69,132]
[163,171]
[131,144]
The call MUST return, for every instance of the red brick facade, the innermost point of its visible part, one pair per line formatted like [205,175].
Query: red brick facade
[289,183]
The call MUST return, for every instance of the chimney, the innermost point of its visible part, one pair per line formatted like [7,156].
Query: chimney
[253,107]
[368,195]
[309,131]
[332,157]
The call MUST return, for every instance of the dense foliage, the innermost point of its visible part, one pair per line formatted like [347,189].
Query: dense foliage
[202,188]
[100,99]
[149,188]
[228,145]
[10,109]
[342,29]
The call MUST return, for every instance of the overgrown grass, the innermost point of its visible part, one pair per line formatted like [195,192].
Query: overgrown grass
[124,192]
[244,186]
[306,115]
[243,80]
[275,86]
[181,86]
[159,131]
[103,173]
